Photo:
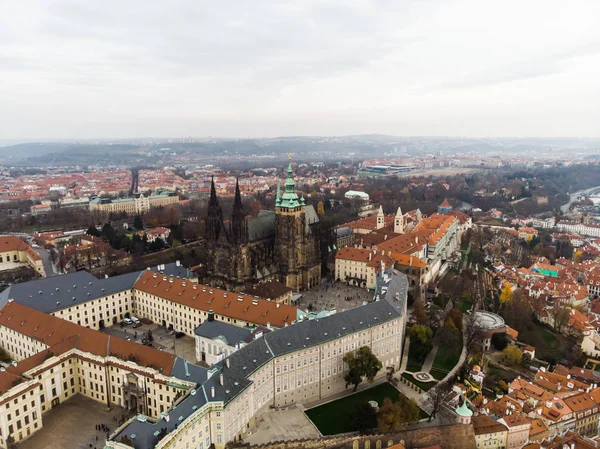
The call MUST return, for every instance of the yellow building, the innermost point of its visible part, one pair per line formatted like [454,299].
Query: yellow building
[134,205]
[13,250]
[489,433]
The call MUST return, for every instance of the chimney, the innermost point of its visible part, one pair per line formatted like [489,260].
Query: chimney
[177,263]
[211,315]
[227,364]
[212,392]
[370,256]
[221,379]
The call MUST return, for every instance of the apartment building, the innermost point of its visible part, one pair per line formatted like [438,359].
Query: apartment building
[489,433]
[13,251]
[585,411]
[133,205]
[518,426]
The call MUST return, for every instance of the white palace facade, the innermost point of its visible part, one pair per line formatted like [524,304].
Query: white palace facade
[179,404]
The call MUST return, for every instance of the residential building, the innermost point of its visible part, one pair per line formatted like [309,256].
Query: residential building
[360,266]
[489,433]
[518,430]
[14,252]
[585,412]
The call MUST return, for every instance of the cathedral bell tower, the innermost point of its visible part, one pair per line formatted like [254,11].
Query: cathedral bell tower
[290,240]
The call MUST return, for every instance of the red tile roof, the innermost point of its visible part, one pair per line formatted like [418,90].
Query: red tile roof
[221,302]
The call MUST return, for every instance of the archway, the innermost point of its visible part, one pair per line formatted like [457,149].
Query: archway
[101,324]
[133,403]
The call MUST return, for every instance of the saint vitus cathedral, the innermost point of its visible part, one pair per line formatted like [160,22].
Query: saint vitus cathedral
[280,244]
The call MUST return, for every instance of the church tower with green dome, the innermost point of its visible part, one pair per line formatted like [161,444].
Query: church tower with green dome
[296,248]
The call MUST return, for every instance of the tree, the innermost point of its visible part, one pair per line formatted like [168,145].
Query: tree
[512,355]
[506,294]
[560,315]
[419,313]
[500,340]
[157,244]
[138,223]
[392,414]
[364,417]
[422,336]
[437,396]
[362,364]
[92,230]
[449,335]
[320,208]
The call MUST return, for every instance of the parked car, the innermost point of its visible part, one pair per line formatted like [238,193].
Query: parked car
[179,334]
[137,323]
[127,321]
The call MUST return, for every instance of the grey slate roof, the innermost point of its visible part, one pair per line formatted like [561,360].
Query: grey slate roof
[58,292]
[343,231]
[311,216]
[262,226]
[228,333]
[171,269]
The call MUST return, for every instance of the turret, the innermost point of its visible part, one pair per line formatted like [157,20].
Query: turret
[399,222]
[380,218]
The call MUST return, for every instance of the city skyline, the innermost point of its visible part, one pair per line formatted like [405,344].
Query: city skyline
[312,68]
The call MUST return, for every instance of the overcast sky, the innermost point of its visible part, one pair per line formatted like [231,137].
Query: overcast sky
[149,68]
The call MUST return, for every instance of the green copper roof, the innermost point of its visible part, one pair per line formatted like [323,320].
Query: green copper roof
[289,199]
[463,410]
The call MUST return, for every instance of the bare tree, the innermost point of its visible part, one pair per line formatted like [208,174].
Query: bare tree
[437,396]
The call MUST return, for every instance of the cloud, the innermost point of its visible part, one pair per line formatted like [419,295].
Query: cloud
[360,67]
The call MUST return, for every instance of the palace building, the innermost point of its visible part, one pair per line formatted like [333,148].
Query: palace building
[179,404]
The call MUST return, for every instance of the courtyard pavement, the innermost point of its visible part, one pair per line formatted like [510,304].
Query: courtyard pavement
[278,425]
[72,424]
[333,295]
[183,347]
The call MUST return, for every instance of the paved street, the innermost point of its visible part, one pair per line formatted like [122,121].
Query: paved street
[46,262]
[333,295]
[72,424]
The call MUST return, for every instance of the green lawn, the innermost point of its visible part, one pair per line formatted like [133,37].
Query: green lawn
[548,346]
[446,358]
[335,417]
[437,374]
[413,367]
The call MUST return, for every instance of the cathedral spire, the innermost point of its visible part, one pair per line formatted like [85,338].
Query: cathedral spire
[238,217]
[215,214]
[289,199]
[237,202]
[278,197]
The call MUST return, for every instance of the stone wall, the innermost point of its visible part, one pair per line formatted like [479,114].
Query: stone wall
[455,436]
